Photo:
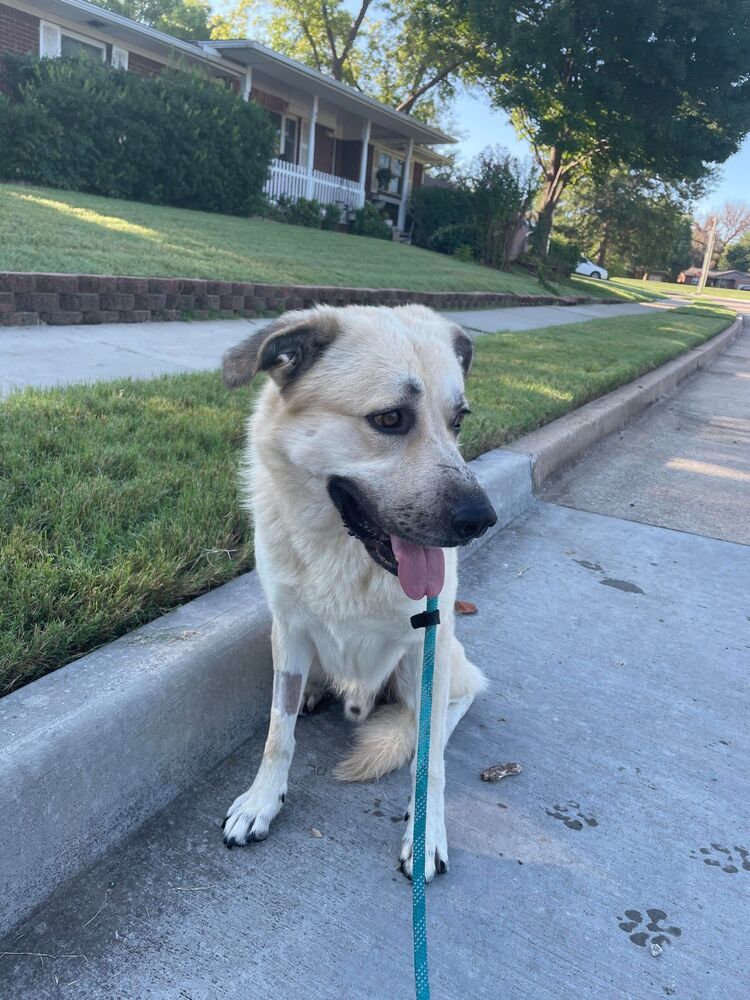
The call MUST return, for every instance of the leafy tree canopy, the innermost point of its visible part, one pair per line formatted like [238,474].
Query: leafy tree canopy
[406,53]
[628,222]
[737,256]
[652,85]
[188,19]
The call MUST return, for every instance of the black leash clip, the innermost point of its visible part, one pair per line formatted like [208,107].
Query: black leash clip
[425,619]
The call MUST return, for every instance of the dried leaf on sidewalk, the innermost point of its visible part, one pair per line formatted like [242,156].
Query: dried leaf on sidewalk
[314,832]
[498,771]
[465,608]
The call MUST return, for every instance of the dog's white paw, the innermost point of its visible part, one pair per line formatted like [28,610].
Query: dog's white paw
[436,845]
[251,814]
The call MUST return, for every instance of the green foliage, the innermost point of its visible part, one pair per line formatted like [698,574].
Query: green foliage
[736,257]
[465,253]
[174,139]
[432,208]
[628,221]
[503,192]
[368,221]
[187,19]
[331,218]
[652,85]
[304,212]
[448,239]
[406,53]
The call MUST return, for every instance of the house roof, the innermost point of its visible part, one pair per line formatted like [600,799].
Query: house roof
[123,28]
[231,58]
[718,274]
[252,54]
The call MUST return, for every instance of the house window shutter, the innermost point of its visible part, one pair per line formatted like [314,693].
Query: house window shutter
[50,40]
[119,57]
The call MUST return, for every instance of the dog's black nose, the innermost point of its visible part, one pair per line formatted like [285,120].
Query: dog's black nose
[471,518]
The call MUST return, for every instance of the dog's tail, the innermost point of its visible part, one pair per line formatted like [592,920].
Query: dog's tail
[383,743]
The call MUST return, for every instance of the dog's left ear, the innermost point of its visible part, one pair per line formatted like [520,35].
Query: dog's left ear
[464,348]
[286,349]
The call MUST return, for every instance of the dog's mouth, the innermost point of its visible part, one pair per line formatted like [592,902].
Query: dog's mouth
[420,570]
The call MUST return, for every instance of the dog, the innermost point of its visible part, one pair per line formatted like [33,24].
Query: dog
[359,496]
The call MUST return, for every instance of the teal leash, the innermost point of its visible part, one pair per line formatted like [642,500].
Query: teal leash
[429,621]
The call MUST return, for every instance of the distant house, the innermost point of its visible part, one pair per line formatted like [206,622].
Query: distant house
[333,143]
[717,279]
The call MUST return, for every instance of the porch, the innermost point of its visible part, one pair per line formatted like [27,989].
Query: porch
[293,180]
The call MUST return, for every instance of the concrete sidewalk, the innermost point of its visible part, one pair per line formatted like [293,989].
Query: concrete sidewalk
[683,463]
[627,706]
[47,355]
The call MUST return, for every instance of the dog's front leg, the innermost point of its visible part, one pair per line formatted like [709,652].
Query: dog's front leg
[250,815]
[436,841]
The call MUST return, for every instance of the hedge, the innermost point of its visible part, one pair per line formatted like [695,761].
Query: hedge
[175,139]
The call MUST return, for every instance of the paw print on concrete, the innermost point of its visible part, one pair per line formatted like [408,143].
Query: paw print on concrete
[570,815]
[722,857]
[654,934]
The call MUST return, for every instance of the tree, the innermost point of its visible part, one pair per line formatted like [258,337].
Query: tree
[628,221]
[737,256]
[188,19]
[650,85]
[403,52]
[732,223]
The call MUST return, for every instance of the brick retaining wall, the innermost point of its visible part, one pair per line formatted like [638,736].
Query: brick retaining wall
[28,299]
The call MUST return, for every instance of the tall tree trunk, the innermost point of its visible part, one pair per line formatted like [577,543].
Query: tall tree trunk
[555,181]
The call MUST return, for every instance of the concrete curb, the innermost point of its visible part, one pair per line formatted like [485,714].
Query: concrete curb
[90,752]
[559,443]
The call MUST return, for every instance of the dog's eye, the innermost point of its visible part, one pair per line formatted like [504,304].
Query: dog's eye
[392,421]
[458,420]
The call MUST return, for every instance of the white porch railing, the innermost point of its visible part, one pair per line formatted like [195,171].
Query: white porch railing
[290,180]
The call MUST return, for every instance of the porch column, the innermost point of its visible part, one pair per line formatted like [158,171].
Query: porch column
[405,186]
[311,147]
[247,84]
[366,125]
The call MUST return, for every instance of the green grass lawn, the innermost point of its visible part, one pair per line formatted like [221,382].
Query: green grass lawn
[48,230]
[662,289]
[118,501]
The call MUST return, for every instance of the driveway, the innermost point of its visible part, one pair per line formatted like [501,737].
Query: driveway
[48,355]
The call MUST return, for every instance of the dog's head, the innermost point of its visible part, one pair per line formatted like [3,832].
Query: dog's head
[370,402]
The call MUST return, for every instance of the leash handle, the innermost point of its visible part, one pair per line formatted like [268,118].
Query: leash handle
[430,618]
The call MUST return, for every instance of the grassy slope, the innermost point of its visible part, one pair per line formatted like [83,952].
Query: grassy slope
[660,289]
[118,501]
[70,232]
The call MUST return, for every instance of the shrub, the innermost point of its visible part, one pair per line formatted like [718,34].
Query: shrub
[432,208]
[464,253]
[560,261]
[503,191]
[368,221]
[304,212]
[449,238]
[331,216]
[176,139]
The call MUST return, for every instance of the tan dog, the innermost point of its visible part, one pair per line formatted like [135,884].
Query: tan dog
[357,485]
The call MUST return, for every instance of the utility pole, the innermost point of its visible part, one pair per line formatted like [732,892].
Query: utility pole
[710,240]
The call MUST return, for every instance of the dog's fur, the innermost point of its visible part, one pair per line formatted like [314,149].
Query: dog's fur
[340,619]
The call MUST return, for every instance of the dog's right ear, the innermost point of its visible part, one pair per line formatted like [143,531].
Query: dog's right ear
[286,349]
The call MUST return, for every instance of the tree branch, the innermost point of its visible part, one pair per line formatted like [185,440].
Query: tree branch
[408,103]
[354,31]
[331,36]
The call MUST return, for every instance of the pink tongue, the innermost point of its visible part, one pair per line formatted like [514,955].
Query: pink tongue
[421,571]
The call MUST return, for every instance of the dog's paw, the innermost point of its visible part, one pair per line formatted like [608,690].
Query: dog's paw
[435,848]
[311,699]
[250,815]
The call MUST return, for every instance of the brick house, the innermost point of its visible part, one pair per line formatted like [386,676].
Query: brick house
[717,279]
[333,143]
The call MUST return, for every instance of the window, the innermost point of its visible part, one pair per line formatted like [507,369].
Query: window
[55,41]
[286,136]
[395,167]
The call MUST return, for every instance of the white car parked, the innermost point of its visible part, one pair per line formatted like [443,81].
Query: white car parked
[585,266]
